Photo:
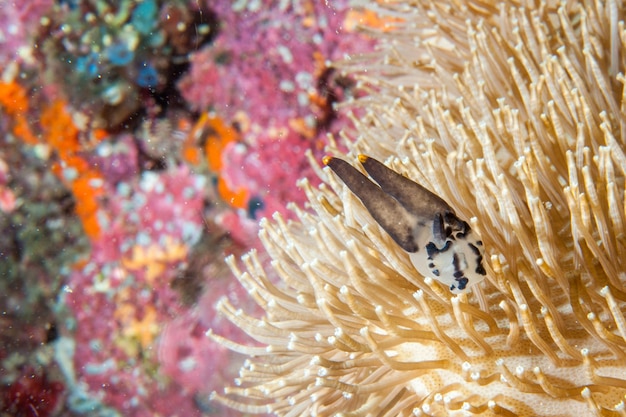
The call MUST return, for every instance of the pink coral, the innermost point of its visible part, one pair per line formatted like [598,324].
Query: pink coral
[117,159]
[122,295]
[18,23]
[7,197]
[270,75]
[186,357]
[270,168]
[266,72]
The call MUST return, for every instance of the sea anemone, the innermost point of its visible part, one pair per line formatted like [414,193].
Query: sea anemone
[514,114]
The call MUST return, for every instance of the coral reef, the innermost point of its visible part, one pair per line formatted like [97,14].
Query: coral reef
[119,60]
[57,133]
[119,296]
[32,395]
[33,271]
[292,45]
[18,24]
[280,111]
[121,192]
[513,115]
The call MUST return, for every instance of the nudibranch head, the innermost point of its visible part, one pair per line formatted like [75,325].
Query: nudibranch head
[456,260]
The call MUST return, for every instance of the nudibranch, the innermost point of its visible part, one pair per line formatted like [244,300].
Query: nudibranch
[440,245]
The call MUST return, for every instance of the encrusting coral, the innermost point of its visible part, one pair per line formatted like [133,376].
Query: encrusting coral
[514,114]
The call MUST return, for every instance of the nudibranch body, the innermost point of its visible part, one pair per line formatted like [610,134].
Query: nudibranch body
[440,245]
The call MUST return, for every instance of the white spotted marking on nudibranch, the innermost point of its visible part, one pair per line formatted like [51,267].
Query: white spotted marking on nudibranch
[440,245]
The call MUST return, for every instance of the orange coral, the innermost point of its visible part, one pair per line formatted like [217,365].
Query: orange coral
[155,258]
[14,100]
[62,135]
[22,130]
[99,134]
[191,154]
[189,151]
[215,135]
[136,333]
[219,135]
[144,330]
[210,133]
[87,193]
[86,188]
[236,198]
[60,132]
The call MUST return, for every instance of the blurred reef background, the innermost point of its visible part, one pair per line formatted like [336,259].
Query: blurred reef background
[141,142]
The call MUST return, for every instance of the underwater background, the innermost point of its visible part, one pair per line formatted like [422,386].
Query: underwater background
[141,142]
